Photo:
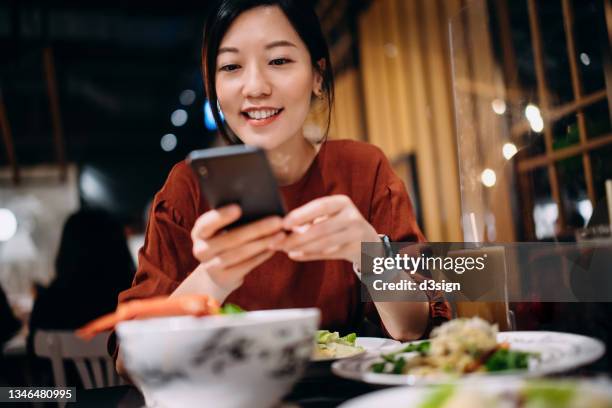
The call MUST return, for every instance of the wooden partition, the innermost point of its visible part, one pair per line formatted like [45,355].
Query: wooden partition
[405,73]
[347,118]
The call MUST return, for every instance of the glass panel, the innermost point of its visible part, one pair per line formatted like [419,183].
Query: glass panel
[573,191]
[544,210]
[590,35]
[565,132]
[513,190]
[602,170]
[554,46]
[571,178]
[520,37]
[534,144]
[597,119]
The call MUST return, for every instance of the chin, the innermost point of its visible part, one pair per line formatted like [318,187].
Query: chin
[264,141]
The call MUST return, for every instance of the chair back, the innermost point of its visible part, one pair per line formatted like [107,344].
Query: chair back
[94,365]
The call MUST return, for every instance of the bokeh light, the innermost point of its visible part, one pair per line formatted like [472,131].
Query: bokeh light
[498,106]
[8,224]
[168,142]
[509,150]
[179,117]
[187,97]
[488,178]
[585,59]
[534,116]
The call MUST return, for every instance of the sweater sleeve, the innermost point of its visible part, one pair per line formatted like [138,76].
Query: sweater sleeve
[166,258]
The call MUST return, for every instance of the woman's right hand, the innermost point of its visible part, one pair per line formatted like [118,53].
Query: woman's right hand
[228,256]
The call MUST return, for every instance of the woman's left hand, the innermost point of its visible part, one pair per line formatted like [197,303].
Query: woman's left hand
[327,228]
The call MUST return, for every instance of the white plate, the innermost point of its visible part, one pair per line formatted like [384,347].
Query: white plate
[377,344]
[559,352]
[374,345]
[402,397]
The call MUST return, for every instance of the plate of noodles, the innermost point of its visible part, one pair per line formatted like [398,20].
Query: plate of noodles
[473,347]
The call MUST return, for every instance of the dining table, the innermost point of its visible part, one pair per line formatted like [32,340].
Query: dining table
[318,388]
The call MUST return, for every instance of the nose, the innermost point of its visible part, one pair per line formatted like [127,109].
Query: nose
[255,84]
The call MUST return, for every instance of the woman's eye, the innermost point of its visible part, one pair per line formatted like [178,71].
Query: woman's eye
[229,67]
[280,61]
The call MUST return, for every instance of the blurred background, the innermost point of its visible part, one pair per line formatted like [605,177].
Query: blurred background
[496,114]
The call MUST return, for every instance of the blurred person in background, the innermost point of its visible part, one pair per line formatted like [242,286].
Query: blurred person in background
[9,324]
[93,266]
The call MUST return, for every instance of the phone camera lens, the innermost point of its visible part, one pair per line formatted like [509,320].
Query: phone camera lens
[203,171]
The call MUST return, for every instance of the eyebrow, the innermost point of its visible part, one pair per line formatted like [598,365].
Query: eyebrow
[280,43]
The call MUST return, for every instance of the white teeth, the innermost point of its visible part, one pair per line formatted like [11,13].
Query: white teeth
[262,114]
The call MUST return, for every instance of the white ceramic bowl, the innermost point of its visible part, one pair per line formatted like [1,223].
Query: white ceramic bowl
[244,360]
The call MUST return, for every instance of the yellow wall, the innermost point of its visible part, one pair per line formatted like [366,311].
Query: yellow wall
[405,74]
[347,118]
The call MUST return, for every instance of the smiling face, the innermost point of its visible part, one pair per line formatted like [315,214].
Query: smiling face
[265,78]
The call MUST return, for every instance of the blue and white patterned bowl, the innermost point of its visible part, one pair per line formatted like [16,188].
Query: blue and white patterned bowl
[244,360]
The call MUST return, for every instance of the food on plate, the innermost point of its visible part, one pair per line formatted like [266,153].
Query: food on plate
[331,345]
[230,308]
[161,306]
[538,394]
[457,347]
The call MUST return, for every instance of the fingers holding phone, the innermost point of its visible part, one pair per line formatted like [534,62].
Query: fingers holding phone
[329,227]
[227,256]
[211,222]
[231,240]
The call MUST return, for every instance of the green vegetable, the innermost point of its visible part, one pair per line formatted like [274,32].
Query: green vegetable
[542,394]
[325,336]
[230,308]
[399,362]
[504,359]
[349,339]
[439,397]
[398,367]
[389,358]
[422,347]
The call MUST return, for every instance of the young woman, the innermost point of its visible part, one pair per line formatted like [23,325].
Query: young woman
[266,64]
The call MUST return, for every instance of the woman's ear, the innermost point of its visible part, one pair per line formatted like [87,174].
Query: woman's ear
[317,84]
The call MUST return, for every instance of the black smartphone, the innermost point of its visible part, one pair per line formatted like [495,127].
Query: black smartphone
[238,175]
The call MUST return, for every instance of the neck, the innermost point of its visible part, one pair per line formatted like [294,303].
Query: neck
[291,160]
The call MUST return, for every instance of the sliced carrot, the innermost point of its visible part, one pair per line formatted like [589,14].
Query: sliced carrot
[187,305]
[478,363]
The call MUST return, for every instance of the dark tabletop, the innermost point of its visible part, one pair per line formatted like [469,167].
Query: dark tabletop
[319,388]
